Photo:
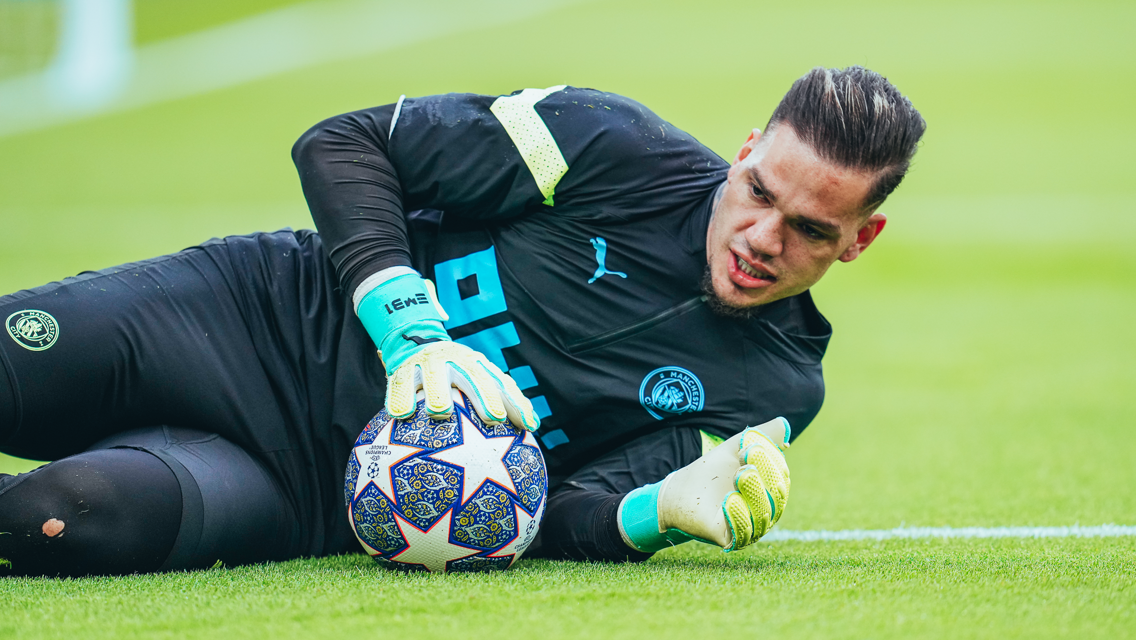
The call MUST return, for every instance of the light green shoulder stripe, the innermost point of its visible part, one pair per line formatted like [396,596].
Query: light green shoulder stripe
[538,149]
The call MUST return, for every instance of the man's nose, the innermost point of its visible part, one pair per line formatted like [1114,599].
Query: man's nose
[765,235]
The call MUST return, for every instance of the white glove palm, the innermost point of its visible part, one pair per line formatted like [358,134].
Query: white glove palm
[733,495]
[730,497]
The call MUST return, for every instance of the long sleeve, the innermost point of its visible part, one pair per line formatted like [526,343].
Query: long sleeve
[354,193]
[486,160]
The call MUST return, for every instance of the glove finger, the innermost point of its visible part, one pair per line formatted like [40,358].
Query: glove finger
[482,389]
[762,506]
[519,408]
[754,440]
[739,520]
[490,380]
[769,461]
[770,464]
[436,385]
[401,391]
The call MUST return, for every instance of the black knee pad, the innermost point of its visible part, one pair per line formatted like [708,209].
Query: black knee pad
[233,511]
[114,511]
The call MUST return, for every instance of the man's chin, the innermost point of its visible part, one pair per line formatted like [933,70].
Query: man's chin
[726,305]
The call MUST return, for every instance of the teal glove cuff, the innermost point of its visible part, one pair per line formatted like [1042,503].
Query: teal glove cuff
[401,318]
[639,521]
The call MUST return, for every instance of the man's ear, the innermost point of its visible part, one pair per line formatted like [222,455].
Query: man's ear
[865,236]
[748,146]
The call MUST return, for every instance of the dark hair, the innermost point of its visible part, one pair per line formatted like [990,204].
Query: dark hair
[857,119]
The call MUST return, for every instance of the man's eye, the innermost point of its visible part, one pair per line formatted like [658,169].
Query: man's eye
[812,232]
[758,193]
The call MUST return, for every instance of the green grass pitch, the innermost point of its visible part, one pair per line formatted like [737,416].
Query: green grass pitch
[980,375]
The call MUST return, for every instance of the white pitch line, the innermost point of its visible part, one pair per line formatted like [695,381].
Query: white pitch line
[908,533]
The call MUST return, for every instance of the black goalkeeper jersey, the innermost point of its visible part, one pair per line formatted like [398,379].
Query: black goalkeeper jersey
[565,229]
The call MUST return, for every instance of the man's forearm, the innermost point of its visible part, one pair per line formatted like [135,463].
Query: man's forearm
[354,194]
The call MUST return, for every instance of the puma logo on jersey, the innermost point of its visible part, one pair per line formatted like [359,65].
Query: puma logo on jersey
[601,257]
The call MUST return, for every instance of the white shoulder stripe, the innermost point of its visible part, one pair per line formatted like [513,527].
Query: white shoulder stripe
[531,136]
[397,112]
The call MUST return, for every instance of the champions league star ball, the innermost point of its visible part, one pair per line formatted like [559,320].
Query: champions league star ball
[453,495]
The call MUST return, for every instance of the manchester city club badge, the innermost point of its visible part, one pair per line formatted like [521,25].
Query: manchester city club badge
[33,330]
[670,391]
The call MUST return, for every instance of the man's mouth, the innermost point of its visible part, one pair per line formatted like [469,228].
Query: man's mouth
[746,269]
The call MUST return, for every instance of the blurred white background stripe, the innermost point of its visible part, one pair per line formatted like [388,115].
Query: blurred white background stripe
[257,47]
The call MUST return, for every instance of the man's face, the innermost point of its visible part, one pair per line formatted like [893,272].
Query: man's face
[783,217]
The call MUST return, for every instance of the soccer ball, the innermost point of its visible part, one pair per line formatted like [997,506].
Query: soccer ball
[453,495]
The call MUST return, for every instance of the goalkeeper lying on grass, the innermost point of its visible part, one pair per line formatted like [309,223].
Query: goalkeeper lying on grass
[610,283]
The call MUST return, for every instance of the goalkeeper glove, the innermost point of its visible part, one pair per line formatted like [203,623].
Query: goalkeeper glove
[404,318]
[729,497]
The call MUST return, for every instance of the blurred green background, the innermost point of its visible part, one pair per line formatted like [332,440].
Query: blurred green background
[981,371]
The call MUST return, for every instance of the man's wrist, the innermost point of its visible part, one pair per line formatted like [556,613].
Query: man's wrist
[376,280]
[401,317]
[638,518]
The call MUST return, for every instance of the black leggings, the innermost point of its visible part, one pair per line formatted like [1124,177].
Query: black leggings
[146,500]
[242,338]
